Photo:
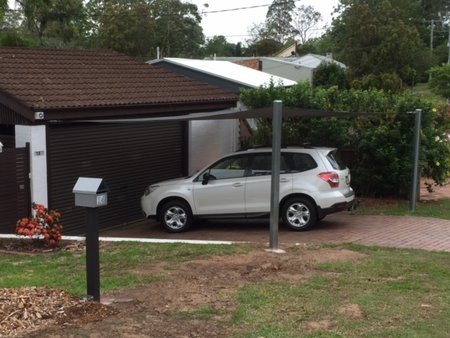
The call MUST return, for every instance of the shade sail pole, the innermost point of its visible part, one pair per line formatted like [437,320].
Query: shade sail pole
[275,183]
[416,152]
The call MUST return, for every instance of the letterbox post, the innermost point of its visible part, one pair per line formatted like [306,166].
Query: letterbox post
[91,193]
[92,255]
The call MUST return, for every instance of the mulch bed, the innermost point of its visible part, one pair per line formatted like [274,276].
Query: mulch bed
[30,246]
[24,310]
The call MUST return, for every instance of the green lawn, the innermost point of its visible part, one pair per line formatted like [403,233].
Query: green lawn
[66,270]
[391,293]
[387,293]
[422,89]
[438,209]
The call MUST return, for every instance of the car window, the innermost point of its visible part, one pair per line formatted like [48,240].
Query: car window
[335,161]
[299,162]
[262,165]
[231,167]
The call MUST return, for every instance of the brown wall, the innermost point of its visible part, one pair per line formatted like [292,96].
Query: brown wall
[253,63]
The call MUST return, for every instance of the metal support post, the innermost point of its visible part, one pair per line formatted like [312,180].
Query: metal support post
[416,152]
[92,255]
[275,183]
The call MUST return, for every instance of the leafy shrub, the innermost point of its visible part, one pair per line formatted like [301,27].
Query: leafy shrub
[329,74]
[44,224]
[440,80]
[380,143]
[390,82]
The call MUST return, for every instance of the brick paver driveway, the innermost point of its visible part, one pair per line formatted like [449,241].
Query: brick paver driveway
[390,231]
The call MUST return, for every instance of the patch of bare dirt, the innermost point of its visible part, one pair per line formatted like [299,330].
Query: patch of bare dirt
[352,311]
[170,307]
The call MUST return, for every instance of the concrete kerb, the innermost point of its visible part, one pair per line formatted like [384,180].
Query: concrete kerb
[130,239]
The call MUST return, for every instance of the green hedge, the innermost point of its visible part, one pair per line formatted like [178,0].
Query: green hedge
[380,144]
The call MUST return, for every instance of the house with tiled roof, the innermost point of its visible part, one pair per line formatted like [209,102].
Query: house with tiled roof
[71,111]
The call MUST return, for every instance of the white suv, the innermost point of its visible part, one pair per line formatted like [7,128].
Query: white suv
[313,183]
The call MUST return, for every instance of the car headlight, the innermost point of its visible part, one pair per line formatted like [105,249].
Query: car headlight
[150,189]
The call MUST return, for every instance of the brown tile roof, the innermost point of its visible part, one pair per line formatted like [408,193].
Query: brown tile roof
[58,79]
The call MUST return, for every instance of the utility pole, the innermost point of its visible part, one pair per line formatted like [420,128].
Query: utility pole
[448,43]
[431,37]
[431,44]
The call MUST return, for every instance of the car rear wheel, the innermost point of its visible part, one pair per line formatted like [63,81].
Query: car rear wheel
[176,216]
[298,213]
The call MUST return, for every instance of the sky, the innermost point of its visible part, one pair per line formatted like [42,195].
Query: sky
[234,25]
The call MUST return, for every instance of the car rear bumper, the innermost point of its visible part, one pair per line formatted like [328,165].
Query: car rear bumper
[341,206]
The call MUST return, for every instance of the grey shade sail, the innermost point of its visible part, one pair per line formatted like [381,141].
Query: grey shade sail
[237,113]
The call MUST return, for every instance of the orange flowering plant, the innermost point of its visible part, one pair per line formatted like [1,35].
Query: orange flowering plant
[44,224]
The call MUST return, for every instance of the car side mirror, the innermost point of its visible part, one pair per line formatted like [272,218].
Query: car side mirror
[205,179]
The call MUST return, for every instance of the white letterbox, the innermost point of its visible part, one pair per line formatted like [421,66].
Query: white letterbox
[90,192]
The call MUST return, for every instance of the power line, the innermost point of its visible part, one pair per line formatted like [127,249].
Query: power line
[234,9]
[239,8]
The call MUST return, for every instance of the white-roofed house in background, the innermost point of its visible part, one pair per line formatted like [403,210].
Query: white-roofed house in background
[211,139]
[297,68]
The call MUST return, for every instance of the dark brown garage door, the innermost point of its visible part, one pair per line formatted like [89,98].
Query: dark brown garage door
[14,187]
[127,156]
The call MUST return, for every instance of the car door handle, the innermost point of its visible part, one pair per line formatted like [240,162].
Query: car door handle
[237,185]
[284,180]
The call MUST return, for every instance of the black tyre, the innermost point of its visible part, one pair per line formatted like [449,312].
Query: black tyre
[176,216]
[299,214]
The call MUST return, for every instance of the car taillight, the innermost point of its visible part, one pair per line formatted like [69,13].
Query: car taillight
[331,178]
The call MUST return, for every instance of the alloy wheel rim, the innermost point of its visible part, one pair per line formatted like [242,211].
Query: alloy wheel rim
[175,217]
[298,215]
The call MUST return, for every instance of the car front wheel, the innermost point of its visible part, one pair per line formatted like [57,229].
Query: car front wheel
[176,216]
[299,214]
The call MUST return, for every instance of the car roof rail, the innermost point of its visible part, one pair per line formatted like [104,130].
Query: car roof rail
[283,146]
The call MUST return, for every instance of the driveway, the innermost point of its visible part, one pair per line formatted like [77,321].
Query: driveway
[390,231]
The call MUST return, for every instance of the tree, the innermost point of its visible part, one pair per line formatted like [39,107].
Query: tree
[178,30]
[440,80]
[320,45]
[127,28]
[329,74]
[140,27]
[261,42]
[304,19]
[279,18]
[381,143]
[218,45]
[263,47]
[54,21]
[3,9]
[372,38]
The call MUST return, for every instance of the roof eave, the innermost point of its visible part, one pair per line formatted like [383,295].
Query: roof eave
[17,106]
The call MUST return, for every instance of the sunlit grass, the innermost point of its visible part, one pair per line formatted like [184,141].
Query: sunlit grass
[391,293]
[118,264]
[437,209]
[386,293]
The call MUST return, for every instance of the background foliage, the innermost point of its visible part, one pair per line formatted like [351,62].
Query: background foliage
[377,147]
[385,44]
